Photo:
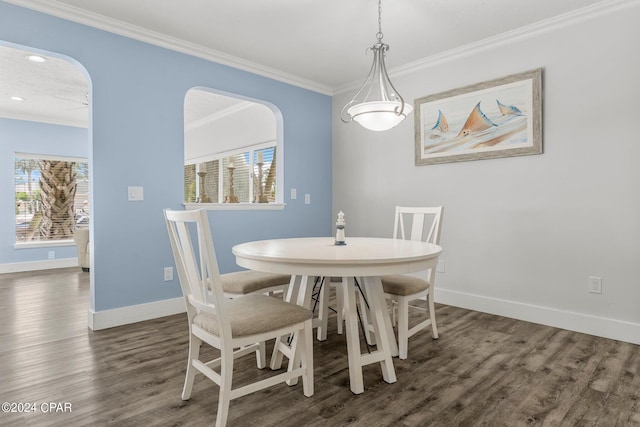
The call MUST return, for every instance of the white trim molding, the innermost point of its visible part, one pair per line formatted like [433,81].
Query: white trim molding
[588,12]
[135,313]
[19,267]
[81,16]
[235,206]
[579,322]
[43,244]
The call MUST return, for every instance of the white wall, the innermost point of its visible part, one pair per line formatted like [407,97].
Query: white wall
[522,235]
[252,125]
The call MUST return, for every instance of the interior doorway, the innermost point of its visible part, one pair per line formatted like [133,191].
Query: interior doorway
[44,117]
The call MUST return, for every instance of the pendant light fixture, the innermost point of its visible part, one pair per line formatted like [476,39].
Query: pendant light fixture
[377,105]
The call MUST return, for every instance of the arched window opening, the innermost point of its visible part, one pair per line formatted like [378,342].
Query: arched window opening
[233,148]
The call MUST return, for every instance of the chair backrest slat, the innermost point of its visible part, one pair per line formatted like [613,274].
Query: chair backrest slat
[419,218]
[198,271]
[417,226]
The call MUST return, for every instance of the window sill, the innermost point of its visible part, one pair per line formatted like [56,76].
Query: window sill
[43,244]
[235,206]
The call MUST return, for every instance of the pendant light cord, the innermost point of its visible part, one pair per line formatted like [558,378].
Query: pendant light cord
[379,35]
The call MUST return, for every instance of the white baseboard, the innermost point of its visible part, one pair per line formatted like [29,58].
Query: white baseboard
[578,322]
[49,264]
[135,313]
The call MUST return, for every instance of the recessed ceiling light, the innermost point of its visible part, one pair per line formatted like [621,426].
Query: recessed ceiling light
[36,58]
[17,98]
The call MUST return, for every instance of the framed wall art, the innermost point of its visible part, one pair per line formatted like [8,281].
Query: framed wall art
[497,118]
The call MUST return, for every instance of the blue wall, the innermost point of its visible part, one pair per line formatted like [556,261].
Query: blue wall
[37,138]
[136,139]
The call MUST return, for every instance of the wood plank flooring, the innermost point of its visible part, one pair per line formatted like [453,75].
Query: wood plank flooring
[484,370]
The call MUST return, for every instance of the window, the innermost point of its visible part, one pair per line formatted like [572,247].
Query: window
[246,177]
[52,197]
[231,151]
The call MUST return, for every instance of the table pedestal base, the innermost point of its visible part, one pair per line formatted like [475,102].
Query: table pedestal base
[299,291]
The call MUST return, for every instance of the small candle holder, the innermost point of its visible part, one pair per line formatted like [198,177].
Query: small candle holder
[203,195]
[231,197]
[262,198]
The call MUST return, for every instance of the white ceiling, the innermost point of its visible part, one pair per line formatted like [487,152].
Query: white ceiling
[313,44]
[54,91]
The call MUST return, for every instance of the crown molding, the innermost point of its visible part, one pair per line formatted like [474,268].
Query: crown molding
[570,18]
[81,16]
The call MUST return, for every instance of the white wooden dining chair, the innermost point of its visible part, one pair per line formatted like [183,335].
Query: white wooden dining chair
[426,223]
[236,327]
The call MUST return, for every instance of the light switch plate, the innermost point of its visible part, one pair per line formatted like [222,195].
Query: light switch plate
[595,284]
[136,194]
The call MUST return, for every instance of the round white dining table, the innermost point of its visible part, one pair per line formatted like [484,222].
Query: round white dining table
[368,258]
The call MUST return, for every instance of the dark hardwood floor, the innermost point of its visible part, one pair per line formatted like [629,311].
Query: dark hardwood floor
[484,370]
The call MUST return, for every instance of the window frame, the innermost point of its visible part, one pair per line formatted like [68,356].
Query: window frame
[30,244]
[279,204]
[220,204]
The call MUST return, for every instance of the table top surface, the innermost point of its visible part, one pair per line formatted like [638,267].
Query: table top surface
[324,251]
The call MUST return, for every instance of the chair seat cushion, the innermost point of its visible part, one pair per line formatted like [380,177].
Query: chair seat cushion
[402,285]
[248,281]
[254,314]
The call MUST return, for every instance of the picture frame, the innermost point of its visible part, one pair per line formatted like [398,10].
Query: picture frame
[488,120]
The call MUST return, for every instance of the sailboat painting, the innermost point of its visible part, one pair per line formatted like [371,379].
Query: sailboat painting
[498,118]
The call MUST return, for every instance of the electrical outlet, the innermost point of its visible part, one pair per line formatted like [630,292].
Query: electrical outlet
[595,285]
[294,194]
[168,274]
[52,254]
[440,268]
[307,199]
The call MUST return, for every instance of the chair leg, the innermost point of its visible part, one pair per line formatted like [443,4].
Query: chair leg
[394,312]
[298,340]
[307,359]
[194,354]
[261,355]
[432,313]
[403,327]
[291,295]
[276,356]
[226,376]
